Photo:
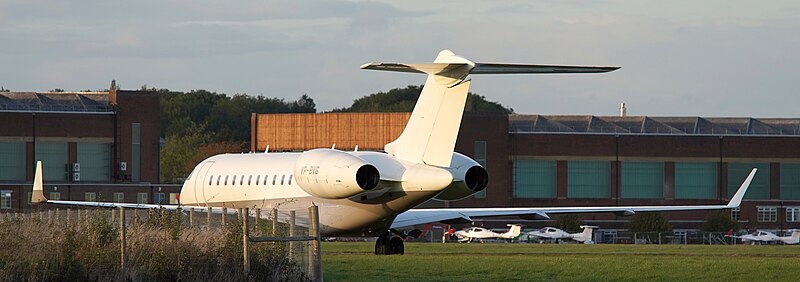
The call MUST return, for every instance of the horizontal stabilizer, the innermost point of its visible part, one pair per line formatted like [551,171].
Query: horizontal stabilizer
[492,68]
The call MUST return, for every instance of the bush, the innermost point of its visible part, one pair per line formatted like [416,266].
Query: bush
[719,221]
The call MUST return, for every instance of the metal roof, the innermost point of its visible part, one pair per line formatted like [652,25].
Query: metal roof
[653,125]
[82,102]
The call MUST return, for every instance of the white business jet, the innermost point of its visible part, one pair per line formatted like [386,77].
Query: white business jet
[480,233]
[373,193]
[553,233]
[762,236]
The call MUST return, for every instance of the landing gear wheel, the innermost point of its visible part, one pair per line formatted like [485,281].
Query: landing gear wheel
[396,245]
[382,246]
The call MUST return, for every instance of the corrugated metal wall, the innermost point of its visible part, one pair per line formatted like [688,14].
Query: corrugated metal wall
[294,132]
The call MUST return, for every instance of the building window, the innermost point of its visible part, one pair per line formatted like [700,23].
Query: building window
[735,214]
[12,161]
[793,214]
[790,181]
[480,158]
[90,196]
[642,180]
[173,199]
[136,147]
[759,187]
[158,198]
[588,179]
[119,197]
[534,179]
[95,161]
[55,196]
[5,200]
[695,180]
[141,198]
[767,214]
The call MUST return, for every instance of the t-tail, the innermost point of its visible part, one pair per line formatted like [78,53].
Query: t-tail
[513,232]
[430,135]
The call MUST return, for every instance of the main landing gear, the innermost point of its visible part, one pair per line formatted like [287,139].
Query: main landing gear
[392,243]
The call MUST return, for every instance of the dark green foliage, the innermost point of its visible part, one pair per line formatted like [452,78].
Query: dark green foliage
[568,222]
[649,222]
[719,221]
[404,99]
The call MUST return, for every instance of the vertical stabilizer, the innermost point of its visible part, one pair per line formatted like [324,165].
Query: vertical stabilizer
[38,187]
[431,132]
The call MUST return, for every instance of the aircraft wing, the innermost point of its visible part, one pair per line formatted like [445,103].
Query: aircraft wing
[422,216]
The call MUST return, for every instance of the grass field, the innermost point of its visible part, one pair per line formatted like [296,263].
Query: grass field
[562,262]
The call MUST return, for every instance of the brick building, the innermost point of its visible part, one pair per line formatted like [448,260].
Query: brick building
[100,146]
[536,160]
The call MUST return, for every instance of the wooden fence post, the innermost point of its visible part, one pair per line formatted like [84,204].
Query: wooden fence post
[68,212]
[292,219]
[208,217]
[245,242]
[224,214]
[274,222]
[122,245]
[258,216]
[315,260]
[191,217]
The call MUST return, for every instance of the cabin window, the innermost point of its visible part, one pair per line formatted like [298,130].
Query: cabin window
[219,177]
[265,178]
[282,177]
[290,179]
[210,179]
[241,180]
[258,179]
[234,180]
[226,180]
[274,177]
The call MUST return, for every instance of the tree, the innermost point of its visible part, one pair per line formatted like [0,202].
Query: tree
[404,100]
[3,89]
[568,222]
[719,221]
[649,222]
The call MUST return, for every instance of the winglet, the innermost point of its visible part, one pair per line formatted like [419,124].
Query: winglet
[736,200]
[38,188]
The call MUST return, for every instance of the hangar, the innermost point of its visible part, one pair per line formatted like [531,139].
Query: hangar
[558,160]
[101,146]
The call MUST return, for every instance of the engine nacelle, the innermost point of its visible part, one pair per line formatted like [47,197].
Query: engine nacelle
[469,178]
[334,174]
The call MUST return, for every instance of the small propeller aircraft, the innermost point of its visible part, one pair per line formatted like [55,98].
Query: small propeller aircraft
[557,234]
[762,236]
[481,233]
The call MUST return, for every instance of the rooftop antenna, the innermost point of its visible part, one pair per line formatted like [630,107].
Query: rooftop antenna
[266,150]
[356,150]
[334,146]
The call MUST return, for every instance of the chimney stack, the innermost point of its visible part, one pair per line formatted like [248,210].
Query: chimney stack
[622,109]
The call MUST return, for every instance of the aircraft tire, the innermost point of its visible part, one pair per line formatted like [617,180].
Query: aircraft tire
[396,245]
[382,246]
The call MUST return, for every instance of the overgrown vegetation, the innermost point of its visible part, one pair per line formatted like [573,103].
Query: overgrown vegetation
[159,249]
[568,222]
[719,221]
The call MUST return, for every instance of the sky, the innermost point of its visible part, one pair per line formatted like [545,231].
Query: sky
[715,58]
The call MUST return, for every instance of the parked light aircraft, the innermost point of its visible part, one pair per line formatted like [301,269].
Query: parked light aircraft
[480,233]
[761,236]
[557,234]
[373,193]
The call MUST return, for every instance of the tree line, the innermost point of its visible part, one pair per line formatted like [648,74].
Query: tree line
[198,124]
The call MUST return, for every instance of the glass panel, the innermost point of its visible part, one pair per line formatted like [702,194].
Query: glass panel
[759,187]
[480,158]
[90,196]
[695,180]
[135,151]
[95,160]
[119,197]
[54,160]
[12,161]
[534,179]
[141,198]
[588,179]
[5,200]
[642,180]
[790,181]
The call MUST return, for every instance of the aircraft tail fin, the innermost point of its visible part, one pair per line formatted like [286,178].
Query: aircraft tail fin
[38,187]
[794,239]
[513,232]
[431,132]
[587,233]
